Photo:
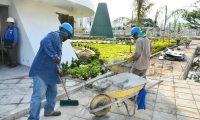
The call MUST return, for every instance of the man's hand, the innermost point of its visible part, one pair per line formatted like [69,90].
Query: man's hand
[60,73]
[13,45]
[130,60]
[57,60]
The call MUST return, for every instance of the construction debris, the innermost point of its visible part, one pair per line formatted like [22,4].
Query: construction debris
[173,55]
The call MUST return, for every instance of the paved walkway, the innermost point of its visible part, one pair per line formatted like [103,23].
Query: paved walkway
[174,99]
[18,72]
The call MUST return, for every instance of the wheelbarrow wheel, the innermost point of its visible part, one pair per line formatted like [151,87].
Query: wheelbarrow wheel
[100,101]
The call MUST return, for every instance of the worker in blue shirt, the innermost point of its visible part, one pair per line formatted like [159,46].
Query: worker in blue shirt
[45,73]
[10,38]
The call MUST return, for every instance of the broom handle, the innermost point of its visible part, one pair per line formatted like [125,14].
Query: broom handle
[62,81]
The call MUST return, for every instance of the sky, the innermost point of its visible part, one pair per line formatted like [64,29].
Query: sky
[122,8]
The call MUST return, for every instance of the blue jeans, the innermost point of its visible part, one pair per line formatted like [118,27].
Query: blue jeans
[40,89]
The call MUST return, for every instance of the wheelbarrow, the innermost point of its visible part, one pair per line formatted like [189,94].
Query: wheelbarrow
[101,104]
[119,66]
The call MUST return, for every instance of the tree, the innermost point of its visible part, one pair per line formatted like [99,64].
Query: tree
[176,14]
[147,22]
[141,8]
[155,22]
[166,18]
[193,19]
[179,27]
[125,20]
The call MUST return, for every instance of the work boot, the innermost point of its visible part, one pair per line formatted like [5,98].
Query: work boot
[9,64]
[12,65]
[54,113]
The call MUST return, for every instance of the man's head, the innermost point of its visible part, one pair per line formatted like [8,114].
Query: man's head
[10,21]
[67,31]
[134,32]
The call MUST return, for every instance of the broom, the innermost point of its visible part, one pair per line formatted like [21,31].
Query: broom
[68,102]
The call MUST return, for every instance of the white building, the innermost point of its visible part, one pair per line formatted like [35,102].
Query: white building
[117,24]
[85,22]
[36,18]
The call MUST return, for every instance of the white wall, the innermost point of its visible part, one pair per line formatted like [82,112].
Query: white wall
[34,21]
[25,50]
[59,10]
[86,3]
[4,2]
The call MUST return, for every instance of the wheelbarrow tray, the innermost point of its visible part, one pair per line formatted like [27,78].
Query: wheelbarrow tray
[124,93]
[132,85]
[119,66]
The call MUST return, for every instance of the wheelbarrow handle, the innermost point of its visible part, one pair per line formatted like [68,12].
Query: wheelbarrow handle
[154,84]
[116,63]
[58,68]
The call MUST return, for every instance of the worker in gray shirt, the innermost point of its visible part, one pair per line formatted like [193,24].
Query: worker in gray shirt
[143,50]
[178,39]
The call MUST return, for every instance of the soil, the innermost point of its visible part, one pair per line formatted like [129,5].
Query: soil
[84,52]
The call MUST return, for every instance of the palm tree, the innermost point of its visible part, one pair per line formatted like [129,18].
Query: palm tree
[158,13]
[176,14]
[126,21]
[166,19]
[141,8]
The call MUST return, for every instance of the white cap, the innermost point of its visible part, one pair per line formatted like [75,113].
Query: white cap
[9,19]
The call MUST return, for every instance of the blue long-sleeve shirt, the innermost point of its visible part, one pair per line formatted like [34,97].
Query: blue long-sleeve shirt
[11,34]
[43,64]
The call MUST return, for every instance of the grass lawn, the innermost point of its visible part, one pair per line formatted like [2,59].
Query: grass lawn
[110,52]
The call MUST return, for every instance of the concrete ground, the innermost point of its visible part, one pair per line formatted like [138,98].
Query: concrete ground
[174,99]
[18,72]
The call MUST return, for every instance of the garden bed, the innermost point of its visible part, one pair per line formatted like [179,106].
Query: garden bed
[93,53]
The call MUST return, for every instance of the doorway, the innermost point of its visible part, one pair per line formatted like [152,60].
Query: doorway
[3,26]
[66,18]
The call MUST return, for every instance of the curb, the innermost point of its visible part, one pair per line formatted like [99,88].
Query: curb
[189,65]
[16,77]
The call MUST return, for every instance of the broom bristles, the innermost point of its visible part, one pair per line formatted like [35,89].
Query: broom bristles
[69,103]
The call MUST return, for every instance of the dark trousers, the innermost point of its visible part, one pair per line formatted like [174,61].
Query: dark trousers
[177,42]
[141,73]
[12,55]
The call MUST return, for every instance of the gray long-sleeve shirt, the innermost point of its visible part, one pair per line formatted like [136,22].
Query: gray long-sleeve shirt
[142,54]
[178,37]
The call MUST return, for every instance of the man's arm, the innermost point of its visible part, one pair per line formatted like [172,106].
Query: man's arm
[3,36]
[46,44]
[151,48]
[15,34]
[138,50]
